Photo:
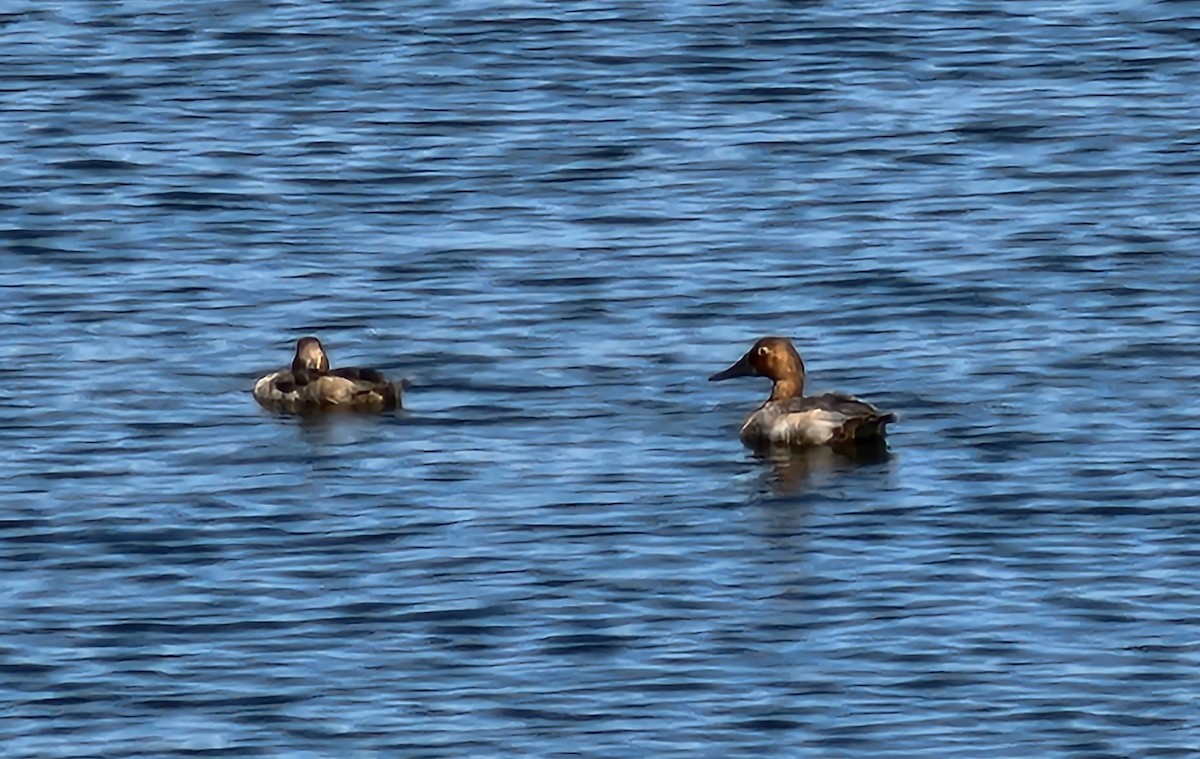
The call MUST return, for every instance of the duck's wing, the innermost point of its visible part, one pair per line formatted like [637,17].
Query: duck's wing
[841,404]
[359,374]
[361,389]
[834,419]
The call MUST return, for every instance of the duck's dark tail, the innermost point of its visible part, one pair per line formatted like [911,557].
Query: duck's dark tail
[392,398]
[863,436]
[385,397]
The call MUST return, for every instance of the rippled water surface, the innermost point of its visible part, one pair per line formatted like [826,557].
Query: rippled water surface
[557,219]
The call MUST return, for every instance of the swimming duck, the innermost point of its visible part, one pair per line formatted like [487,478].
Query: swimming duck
[311,386]
[788,418]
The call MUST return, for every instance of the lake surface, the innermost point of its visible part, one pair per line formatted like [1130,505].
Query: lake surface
[556,220]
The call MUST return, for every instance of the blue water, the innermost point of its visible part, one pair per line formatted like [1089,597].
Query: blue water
[556,220]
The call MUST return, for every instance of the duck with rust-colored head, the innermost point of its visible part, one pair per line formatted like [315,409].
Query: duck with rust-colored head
[310,386]
[789,419]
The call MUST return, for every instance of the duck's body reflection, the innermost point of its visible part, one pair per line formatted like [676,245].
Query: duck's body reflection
[792,470]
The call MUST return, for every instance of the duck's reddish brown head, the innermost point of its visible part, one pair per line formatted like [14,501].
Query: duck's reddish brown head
[310,356]
[774,358]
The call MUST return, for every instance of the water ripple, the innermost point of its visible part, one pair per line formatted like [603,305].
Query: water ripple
[556,222]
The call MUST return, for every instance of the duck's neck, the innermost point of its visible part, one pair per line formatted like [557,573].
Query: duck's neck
[789,377]
[787,387]
[302,368]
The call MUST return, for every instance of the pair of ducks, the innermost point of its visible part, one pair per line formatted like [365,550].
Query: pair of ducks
[787,419]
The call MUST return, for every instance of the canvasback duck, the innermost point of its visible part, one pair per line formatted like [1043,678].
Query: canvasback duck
[310,386]
[788,418]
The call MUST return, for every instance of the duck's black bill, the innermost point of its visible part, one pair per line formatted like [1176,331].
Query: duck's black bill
[740,369]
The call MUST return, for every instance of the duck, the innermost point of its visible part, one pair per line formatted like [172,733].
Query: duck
[789,419]
[310,386]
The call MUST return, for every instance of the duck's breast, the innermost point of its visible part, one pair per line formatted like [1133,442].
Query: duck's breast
[776,425]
